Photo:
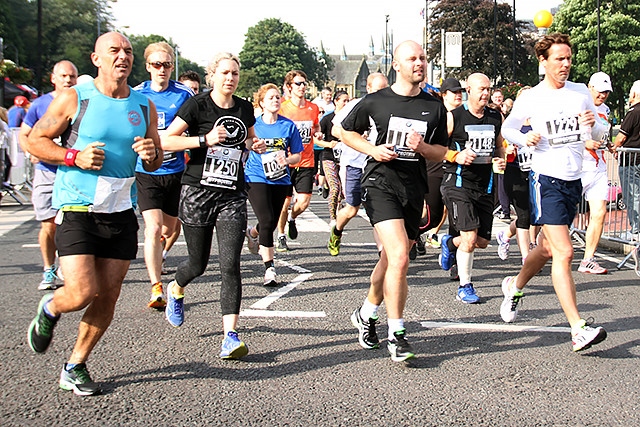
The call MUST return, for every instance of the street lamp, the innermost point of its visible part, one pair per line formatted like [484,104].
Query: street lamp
[543,20]
[386,44]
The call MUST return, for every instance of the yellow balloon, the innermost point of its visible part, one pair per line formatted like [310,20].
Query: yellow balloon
[543,19]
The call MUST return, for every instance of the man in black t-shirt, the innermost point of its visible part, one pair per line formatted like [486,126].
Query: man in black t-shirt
[409,122]
[475,144]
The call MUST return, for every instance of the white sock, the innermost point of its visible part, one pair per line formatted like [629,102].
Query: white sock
[289,218]
[368,310]
[164,255]
[395,325]
[465,265]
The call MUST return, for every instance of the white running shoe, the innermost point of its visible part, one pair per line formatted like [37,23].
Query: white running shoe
[512,296]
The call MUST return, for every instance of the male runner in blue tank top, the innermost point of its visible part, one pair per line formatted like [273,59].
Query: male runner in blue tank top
[159,191]
[104,126]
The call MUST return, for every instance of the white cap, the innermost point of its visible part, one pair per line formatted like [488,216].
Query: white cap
[601,82]
[85,78]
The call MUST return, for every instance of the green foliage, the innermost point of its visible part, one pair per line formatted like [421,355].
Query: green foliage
[476,19]
[619,41]
[16,74]
[271,49]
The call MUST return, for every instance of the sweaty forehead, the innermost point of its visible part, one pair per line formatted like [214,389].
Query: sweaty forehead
[111,40]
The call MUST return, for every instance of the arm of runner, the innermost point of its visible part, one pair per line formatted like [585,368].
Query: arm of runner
[381,153]
[149,148]
[253,143]
[54,122]
[432,152]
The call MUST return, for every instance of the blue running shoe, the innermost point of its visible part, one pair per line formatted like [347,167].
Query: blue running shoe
[447,257]
[232,347]
[467,294]
[174,311]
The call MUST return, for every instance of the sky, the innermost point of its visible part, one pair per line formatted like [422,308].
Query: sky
[201,28]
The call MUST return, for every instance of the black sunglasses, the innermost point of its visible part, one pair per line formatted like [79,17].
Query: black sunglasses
[299,83]
[157,65]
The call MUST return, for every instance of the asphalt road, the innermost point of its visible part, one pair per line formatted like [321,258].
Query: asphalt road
[305,367]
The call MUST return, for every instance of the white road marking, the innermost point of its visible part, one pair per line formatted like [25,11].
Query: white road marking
[494,328]
[280,313]
[12,220]
[274,296]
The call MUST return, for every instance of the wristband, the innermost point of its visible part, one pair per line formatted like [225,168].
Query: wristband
[451,156]
[70,157]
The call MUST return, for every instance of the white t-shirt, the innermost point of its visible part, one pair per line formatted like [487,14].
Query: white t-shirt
[594,159]
[553,113]
[349,156]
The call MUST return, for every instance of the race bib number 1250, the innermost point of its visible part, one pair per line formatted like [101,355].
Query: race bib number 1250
[221,168]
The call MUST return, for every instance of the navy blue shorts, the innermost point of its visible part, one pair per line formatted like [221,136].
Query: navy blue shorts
[352,187]
[554,201]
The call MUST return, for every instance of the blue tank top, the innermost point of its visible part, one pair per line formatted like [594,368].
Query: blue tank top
[167,104]
[115,122]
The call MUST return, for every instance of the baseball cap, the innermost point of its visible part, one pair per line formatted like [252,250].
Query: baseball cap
[20,101]
[601,82]
[450,84]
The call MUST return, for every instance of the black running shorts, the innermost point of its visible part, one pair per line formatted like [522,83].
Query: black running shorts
[159,192]
[382,204]
[469,209]
[302,179]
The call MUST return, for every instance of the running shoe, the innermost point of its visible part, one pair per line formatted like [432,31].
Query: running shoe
[78,380]
[293,230]
[174,311]
[252,242]
[40,330]
[503,245]
[447,257]
[413,252]
[232,347]
[512,296]
[467,294]
[399,348]
[432,240]
[367,336]
[591,266]
[420,248]
[157,299]
[270,277]
[453,273]
[584,336]
[49,278]
[334,243]
[325,192]
[281,244]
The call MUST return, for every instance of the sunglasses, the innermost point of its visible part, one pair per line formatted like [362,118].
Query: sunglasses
[299,83]
[157,65]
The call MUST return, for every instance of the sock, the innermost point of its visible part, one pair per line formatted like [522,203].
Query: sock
[174,292]
[280,234]
[268,264]
[465,264]
[164,255]
[69,366]
[368,310]
[47,313]
[395,325]
[336,231]
[289,218]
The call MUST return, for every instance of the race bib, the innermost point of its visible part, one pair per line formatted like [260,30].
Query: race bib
[169,156]
[563,130]
[398,132]
[524,159]
[221,168]
[337,152]
[482,140]
[272,169]
[304,127]
[161,120]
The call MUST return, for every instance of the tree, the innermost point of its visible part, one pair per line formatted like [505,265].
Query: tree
[475,18]
[271,49]
[619,39]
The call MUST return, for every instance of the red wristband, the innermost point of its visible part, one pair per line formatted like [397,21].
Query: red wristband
[70,157]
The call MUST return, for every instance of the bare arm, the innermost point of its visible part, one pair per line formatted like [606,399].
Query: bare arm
[356,141]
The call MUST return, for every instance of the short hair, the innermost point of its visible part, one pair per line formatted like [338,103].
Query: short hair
[61,63]
[544,44]
[262,92]
[288,79]
[339,93]
[189,75]
[327,89]
[159,47]
[215,61]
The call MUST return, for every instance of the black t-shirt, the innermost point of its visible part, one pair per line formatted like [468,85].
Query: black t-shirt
[630,128]
[326,125]
[481,134]
[394,115]
[224,170]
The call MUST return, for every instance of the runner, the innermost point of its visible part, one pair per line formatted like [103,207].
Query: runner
[213,195]
[159,191]
[562,118]
[305,115]
[63,76]
[191,79]
[351,164]
[267,175]
[475,143]
[93,192]
[409,121]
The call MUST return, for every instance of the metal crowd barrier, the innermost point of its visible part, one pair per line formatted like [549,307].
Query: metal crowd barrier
[622,220]
[21,175]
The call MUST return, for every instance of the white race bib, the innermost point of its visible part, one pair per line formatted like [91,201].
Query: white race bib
[398,132]
[272,169]
[221,168]
[482,140]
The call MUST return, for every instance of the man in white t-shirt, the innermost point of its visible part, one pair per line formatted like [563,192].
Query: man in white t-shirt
[595,185]
[562,117]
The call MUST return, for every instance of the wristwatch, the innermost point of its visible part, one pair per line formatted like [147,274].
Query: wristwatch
[202,139]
